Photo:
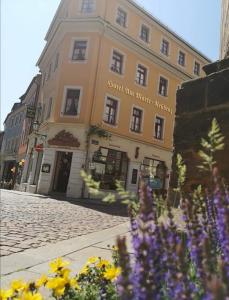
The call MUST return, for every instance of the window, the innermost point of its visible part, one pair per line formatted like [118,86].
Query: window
[72,102]
[117,62]
[163,87]
[121,17]
[181,58]
[79,50]
[44,78]
[136,120]
[88,6]
[48,113]
[110,115]
[145,33]
[134,177]
[141,75]
[56,62]
[165,47]
[158,129]
[49,72]
[196,68]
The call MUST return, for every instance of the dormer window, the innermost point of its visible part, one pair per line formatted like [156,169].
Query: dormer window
[88,6]
[121,17]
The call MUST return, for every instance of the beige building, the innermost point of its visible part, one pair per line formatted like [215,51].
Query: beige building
[108,97]
[224,53]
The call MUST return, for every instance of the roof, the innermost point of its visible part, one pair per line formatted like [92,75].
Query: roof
[35,78]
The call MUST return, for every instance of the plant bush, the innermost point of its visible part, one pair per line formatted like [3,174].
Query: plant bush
[168,263]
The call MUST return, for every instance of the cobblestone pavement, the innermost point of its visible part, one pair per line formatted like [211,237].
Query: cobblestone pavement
[31,221]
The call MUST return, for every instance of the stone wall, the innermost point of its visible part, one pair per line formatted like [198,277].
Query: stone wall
[198,102]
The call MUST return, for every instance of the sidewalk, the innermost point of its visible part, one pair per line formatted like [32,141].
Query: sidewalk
[30,264]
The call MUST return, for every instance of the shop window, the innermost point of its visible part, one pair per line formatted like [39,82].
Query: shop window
[71,107]
[159,128]
[165,47]
[108,166]
[154,173]
[134,177]
[163,86]
[111,108]
[196,68]
[144,33]
[181,58]
[88,6]
[117,62]
[79,51]
[121,17]
[136,120]
[141,75]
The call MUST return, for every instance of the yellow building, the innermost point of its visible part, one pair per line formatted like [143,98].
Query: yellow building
[108,67]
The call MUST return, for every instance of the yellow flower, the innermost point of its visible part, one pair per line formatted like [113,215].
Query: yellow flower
[112,273]
[84,270]
[74,284]
[56,283]
[92,260]
[18,285]
[103,263]
[58,265]
[114,248]
[5,294]
[65,273]
[31,296]
[41,281]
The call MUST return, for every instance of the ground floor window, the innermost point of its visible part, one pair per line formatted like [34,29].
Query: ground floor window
[109,165]
[154,173]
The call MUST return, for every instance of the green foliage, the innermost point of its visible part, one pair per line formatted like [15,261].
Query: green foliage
[213,143]
[97,130]
[181,172]
[92,185]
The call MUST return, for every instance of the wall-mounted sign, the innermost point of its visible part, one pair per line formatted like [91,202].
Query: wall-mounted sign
[139,96]
[155,183]
[46,168]
[30,112]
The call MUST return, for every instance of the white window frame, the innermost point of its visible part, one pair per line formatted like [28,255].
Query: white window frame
[147,75]
[142,121]
[169,46]
[158,85]
[75,39]
[116,15]
[140,32]
[71,87]
[195,61]
[85,12]
[163,129]
[118,110]
[124,62]
[185,58]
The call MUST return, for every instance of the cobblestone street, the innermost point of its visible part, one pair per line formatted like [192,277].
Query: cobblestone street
[31,221]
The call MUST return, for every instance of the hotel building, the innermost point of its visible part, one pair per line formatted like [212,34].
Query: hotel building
[110,72]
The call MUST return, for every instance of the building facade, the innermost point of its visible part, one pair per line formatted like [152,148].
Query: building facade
[224,52]
[108,97]
[10,144]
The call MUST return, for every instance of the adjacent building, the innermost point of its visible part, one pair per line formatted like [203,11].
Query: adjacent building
[110,72]
[10,144]
[198,102]
[224,52]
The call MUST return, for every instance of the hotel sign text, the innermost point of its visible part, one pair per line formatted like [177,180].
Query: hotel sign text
[123,89]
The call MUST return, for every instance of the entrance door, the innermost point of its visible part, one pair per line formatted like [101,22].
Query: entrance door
[63,167]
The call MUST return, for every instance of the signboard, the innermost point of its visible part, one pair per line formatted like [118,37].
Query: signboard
[30,112]
[155,183]
[46,168]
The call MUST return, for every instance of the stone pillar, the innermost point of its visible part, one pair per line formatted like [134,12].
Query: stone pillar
[46,179]
[75,181]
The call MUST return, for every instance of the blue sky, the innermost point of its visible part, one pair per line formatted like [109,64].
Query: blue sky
[24,24]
